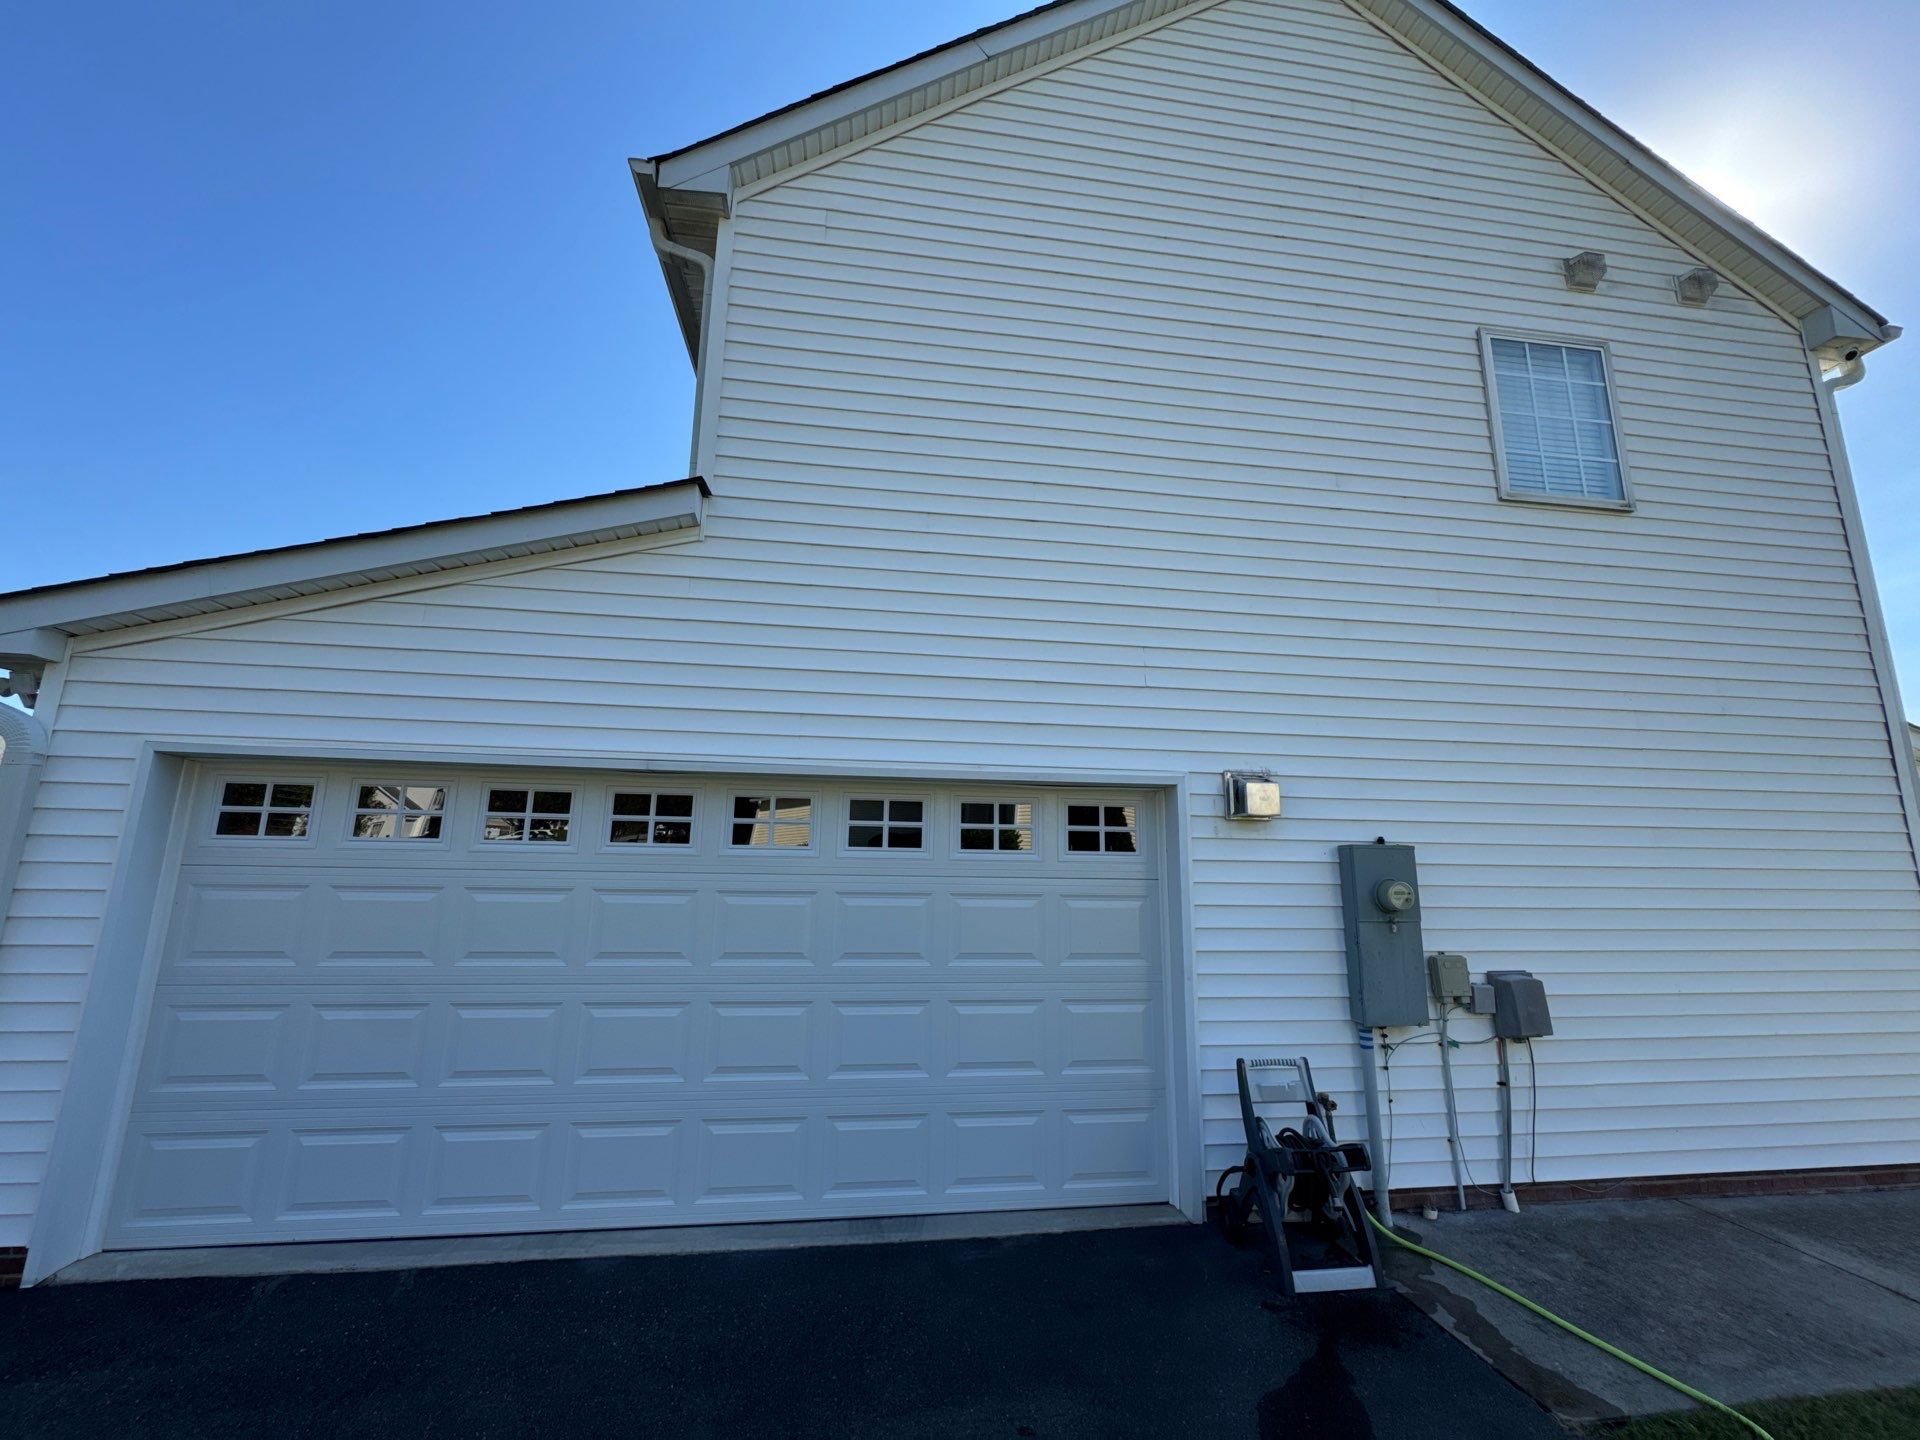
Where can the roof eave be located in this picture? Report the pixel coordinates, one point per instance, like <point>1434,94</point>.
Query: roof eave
<point>1806,292</point>
<point>688,218</point>
<point>1833,319</point>
<point>35,624</point>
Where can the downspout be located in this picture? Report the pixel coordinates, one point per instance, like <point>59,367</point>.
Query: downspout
<point>1906,768</point>
<point>25,739</point>
<point>1851,372</point>
<point>658,228</point>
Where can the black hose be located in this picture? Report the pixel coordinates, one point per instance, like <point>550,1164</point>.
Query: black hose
<point>1221,1183</point>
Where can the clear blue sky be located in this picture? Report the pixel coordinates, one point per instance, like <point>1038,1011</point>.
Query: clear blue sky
<point>282,269</point>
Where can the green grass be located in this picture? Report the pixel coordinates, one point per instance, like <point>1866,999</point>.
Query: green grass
<point>1869,1415</point>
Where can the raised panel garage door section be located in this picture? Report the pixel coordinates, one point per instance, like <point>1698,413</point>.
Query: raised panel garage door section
<point>418,1003</point>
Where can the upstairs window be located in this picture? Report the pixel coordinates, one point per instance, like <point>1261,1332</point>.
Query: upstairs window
<point>1556,432</point>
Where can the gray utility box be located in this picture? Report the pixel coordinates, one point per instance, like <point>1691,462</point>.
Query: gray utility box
<point>1386,963</point>
<point>1519,1005</point>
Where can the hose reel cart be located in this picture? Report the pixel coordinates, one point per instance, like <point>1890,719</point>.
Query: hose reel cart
<point>1301,1171</point>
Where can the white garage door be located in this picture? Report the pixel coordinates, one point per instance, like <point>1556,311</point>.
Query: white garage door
<point>400,1002</point>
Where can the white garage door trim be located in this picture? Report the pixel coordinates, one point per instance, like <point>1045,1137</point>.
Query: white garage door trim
<point>1177,1015</point>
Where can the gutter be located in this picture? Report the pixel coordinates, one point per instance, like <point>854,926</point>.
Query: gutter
<point>646,181</point>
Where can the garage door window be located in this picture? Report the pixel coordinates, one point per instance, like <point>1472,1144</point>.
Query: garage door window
<point>265,809</point>
<point>1004,825</point>
<point>876,824</point>
<point>399,811</point>
<point>1102,829</point>
<point>528,816</point>
<point>651,817</point>
<point>779,822</point>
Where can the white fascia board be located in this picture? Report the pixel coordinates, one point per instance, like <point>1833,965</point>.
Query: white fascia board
<point>116,601</point>
<point>709,166</point>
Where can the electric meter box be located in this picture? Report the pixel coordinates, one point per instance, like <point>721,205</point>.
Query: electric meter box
<point>1386,963</point>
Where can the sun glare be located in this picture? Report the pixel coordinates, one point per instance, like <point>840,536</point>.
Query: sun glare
<point>1764,153</point>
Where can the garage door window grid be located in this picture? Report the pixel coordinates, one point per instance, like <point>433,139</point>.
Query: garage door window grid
<point>1102,829</point>
<point>398,811</point>
<point>516,816</point>
<point>651,817</point>
<point>778,822</point>
<point>265,809</point>
<point>874,823</point>
<point>1004,826</point>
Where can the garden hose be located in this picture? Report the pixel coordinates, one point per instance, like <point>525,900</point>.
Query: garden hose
<point>1573,1329</point>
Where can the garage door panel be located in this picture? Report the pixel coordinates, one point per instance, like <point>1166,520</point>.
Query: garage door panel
<point>879,931</point>
<point>494,1045</point>
<point>501,1039</point>
<point>351,1173</point>
<point>623,1165</point>
<point>651,929</point>
<point>525,1167</point>
<point>646,1043</point>
<point>211,1047</point>
<point>511,926</point>
<point>378,1039</point>
<point>765,928</point>
<point>224,926</point>
<point>366,1046</point>
<point>380,926</point>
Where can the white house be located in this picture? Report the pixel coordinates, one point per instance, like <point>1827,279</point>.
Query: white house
<point>1112,398</point>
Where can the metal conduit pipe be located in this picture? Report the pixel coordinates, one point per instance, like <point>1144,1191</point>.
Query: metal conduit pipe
<point>1453,1113</point>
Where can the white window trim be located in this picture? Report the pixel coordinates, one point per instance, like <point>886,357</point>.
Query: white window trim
<point>354,811</point>
<point>925,825</point>
<point>1064,828</point>
<point>1491,333</point>
<point>574,817</point>
<point>1035,827</point>
<point>816,806</point>
<point>696,822</point>
<point>218,788</point>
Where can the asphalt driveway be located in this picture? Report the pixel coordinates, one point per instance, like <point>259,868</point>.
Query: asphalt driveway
<point>1145,1332</point>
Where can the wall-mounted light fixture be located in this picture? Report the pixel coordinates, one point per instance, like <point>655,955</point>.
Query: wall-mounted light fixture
<point>1696,287</point>
<point>1251,794</point>
<point>1584,271</point>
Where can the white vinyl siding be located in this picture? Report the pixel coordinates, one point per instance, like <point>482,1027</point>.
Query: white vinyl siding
<point>1033,457</point>
<point>1556,436</point>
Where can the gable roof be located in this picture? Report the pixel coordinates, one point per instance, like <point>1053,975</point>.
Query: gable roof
<point>36,623</point>
<point>685,190</point>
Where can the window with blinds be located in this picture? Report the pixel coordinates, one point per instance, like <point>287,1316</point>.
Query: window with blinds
<point>1555,425</point>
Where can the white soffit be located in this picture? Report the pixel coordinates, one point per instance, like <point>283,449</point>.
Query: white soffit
<point>999,60</point>
<point>203,587</point>
<point>904,89</point>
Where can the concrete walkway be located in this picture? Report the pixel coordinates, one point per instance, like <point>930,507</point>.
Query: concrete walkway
<point>1746,1299</point>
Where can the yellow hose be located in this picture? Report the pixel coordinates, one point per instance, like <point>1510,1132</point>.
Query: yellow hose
<point>1572,1329</point>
